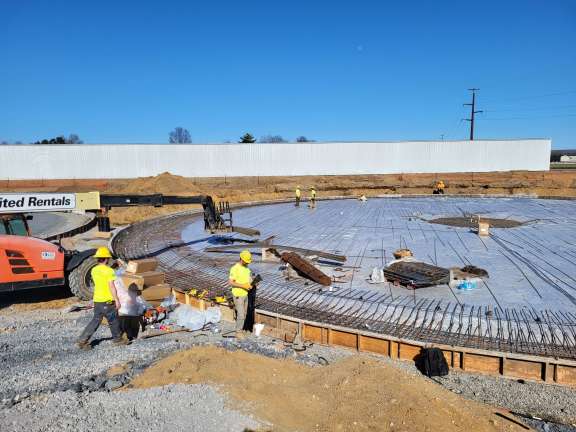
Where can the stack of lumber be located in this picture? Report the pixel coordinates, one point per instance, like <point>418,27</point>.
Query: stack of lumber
<point>147,278</point>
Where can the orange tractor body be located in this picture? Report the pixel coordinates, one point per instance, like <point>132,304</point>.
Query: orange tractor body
<point>27,262</point>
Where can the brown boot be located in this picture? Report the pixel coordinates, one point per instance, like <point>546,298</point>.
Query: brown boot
<point>84,345</point>
<point>120,341</point>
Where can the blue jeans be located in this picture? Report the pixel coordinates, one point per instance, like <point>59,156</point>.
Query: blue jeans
<point>102,310</point>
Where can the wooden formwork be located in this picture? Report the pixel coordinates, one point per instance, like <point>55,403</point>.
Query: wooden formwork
<point>510,365</point>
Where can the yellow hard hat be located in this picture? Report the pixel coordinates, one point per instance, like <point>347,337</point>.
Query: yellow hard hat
<point>246,256</point>
<point>102,252</point>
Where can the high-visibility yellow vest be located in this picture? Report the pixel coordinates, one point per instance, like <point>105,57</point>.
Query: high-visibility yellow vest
<point>240,274</point>
<point>102,275</point>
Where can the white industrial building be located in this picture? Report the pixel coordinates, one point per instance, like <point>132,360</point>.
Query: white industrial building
<point>92,161</point>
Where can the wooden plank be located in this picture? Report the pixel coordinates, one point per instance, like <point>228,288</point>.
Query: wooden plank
<point>374,345</point>
<point>523,369</point>
<point>349,340</point>
<point>196,302</point>
<point>312,333</point>
<point>394,349</point>
<point>325,336</point>
<point>408,352</point>
<point>565,375</point>
<point>267,320</point>
<point>456,360</point>
<point>179,296</point>
<point>482,363</point>
<point>289,326</point>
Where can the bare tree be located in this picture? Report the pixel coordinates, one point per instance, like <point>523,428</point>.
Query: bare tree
<point>272,139</point>
<point>74,139</point>
<point>302,139</point>
<point>180,136</point>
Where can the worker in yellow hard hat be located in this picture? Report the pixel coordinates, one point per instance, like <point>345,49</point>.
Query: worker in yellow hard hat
<point>312,202</point>
<point>106,303</point>
<point>297,194</point>
<point>440,186</point>
<point>241,282</point>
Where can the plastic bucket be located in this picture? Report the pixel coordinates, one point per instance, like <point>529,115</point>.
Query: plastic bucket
<point>258,329</point>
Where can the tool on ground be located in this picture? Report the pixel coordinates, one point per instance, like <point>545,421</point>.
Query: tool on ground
<point>76,308</point>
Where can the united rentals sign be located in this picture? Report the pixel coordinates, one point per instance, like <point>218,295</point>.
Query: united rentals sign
<point>36,202</point>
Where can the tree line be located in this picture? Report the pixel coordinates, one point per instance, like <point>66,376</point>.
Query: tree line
<point>182,136</point>
<point>179,135</point>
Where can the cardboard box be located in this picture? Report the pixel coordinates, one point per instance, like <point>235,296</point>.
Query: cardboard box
<point>142,265</point>
<point>156,293</point>
<point>129,279</point>
<point>152,278</point>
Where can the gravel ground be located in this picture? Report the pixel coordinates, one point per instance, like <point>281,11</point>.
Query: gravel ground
<point>195,407</point>
<point>39,359</point>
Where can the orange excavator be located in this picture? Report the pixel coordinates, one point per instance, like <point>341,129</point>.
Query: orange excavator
<point>27,262</point>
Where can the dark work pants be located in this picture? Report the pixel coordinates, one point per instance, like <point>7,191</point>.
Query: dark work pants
<point>102,310</point>
<point>297,201</point>
<point>131,325</point>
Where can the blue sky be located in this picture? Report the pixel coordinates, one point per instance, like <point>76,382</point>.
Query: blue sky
<point>130,71</point>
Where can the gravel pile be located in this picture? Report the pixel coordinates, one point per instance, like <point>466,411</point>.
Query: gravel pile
<point>174,408</point>
<point>38,352</point>
<point>549,402</point>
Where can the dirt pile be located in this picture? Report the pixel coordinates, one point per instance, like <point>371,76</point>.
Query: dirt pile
<point>164,183</point>
<point>358,393</point>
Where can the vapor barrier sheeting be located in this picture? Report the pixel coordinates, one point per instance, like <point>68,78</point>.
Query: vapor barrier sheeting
<point>92,161</point>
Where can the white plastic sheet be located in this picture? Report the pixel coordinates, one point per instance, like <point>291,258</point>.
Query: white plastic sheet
<point>194,319</point>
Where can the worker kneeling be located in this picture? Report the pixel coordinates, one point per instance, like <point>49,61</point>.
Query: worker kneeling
<point>241,282</point>
<point>106,302</point>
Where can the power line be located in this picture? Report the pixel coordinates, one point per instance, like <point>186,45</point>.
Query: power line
<point>520,109</point>
<point>533,96</point>
<point>530,117</point>
<point>472,112</point>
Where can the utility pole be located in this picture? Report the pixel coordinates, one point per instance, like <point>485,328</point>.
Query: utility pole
<point>472,112</point>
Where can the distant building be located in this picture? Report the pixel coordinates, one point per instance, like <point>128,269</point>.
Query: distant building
<point>568,158</point>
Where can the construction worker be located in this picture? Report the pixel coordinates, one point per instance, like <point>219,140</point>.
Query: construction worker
<point>312,202</point>
<point>241,282</point>
<point>106,303</point>
<point>439,188</point>
<point>297,193</point>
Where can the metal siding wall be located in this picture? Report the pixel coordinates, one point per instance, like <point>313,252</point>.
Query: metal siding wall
<point>90,161</point>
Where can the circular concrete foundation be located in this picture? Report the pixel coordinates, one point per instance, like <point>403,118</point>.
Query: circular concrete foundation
<point>526,305</point>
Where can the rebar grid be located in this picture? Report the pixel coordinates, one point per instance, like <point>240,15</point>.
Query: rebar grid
<point>524,330</point>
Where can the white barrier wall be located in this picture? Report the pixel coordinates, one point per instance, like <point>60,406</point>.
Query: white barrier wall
<point>91,161</point>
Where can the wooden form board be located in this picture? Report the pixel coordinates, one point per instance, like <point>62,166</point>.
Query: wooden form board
<point>510,365</point>
<point>185,298</point>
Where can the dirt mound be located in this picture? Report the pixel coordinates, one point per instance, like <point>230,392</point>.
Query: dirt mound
<point>164,183</point>
<point>358,393</point>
